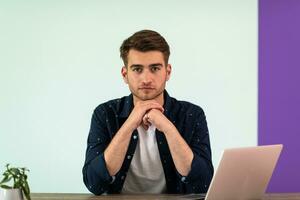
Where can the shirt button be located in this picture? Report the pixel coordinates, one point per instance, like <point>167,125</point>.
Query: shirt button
<point>122,177</point>
<point>129,157</point>
<point>113,178</point>
<point>183,179</point>
<point>135,137</point>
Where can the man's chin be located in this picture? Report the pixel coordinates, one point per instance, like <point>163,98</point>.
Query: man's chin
<point>149,95</point>
<point>145,97</point>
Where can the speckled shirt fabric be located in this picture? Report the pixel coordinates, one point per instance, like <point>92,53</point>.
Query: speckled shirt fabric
<point>189,120</point>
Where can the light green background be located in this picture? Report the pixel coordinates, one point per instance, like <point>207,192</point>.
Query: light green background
<point>60,59</point>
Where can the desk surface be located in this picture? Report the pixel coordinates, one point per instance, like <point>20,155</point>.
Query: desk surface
<point>60,196</point>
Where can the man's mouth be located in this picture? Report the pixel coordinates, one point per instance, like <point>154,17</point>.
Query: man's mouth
<point>146,88</point>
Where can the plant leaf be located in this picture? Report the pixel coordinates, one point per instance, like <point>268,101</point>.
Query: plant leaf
<point>7,165</point>
<point>6,179</point>
<point>6,187</point>
<point>6,173</point>
<point>26,192</point>
<point>28,196</point>
<point>15,171</point>
<point>25,189</point>
<point>17,184</point>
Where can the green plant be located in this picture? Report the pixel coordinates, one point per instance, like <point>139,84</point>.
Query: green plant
<point>19,177</point>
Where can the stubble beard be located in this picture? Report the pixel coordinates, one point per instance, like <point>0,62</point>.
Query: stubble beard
<point>142,97</point>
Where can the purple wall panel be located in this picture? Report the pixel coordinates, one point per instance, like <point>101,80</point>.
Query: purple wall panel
<point>279,88</point>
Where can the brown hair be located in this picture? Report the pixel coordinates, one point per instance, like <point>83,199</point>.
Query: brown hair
<point>145,40</point>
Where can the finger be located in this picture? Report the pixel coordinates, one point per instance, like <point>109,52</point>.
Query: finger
<point>145,126</point>
<point>145,123</point>
<point>153,106</point>
<point>145,119</point>
<point>161,109</point>
<point>148,123</point>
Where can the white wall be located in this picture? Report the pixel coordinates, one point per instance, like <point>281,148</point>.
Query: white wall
<point>60,59</point>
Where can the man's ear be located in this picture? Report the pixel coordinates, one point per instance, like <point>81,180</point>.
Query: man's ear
<point>124,74</point>
<point>169,70</point>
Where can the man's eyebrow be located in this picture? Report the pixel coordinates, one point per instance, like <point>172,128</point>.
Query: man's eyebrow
<point>135,65</point>
<point>156,65</point>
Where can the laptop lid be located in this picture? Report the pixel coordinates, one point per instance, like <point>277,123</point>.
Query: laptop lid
<point>244,173</point>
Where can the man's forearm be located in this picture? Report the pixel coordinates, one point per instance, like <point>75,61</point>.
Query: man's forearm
<point>181,153</point>
<point>115,152</point>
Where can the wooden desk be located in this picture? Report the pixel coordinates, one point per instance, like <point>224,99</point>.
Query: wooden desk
<point>61,196</point>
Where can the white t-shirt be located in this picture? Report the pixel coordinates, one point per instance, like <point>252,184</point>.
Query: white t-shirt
<point>145,174</point>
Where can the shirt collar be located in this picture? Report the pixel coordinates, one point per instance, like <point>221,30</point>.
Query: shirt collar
<point>128,105</point>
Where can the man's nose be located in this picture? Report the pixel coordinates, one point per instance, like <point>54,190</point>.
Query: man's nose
<point>147,77</point>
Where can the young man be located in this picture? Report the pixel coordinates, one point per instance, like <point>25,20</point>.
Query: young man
<point>147,142</point>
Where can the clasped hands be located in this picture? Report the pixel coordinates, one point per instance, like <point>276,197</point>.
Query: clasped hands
<point>149,112</point>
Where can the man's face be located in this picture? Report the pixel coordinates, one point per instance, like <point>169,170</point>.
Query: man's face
<point>146,74</point>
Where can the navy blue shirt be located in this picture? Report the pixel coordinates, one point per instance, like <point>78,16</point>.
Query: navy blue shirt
<point>189,120</point>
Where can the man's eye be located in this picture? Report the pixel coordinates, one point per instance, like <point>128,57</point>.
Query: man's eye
<point>154,69</point>
<point>137,70</point>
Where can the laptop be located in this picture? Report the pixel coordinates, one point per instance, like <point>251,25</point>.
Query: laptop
<point>243,173</point>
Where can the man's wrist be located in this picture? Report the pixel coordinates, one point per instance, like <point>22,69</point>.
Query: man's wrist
<point>128,127</point>
<point>169,129</point>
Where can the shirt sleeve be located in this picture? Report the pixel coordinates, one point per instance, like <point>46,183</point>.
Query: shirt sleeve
<point>95,174</point>
<point>200,175</point>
